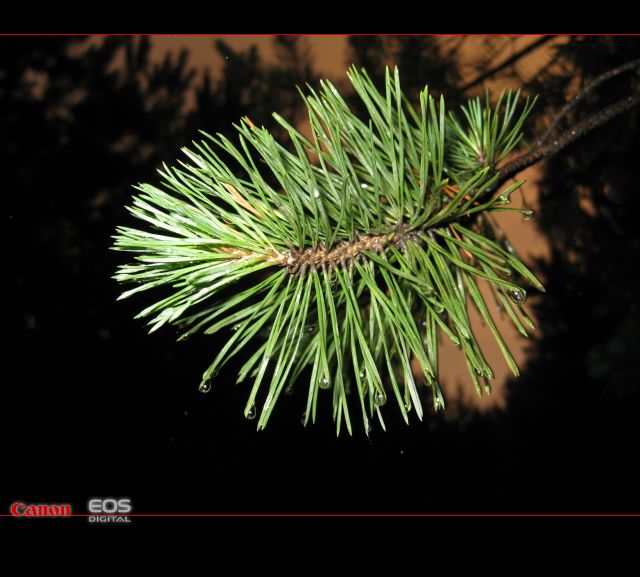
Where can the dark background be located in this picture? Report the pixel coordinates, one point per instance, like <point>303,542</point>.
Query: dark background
<point>93,406</point>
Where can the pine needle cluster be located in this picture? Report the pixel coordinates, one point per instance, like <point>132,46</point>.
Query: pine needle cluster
<point>337,263</point>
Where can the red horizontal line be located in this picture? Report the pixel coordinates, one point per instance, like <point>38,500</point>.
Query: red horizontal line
<point>333,515</point>
<point>309,34</point>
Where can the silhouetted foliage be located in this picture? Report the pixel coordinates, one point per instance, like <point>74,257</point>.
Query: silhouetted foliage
<point>420,59</point>
<point>587,211</point>
<point>577,407</point>
<point>249,87</point>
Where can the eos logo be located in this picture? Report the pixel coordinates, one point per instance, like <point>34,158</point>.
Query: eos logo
<point>109,510</point>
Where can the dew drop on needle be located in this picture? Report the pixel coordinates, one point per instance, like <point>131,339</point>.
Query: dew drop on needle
<point>517,296</point>
<point>251,412</point>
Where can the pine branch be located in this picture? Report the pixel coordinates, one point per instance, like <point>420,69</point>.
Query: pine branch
<point>570,135</point>
<point>542,149</point>
<point>584,92</point>
<point>356,248</point>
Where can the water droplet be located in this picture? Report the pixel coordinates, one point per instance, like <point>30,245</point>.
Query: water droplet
<point>505,198</point>
<point>205,386</point>
<point>527,215</point>
<point>311,329</point>
<point>438,307</point>
<point>518,296</point>
<point>289,390</point>
<point>478,371</point>
<point>303,420</point>
<point>509,247</point>
<point>379,398</point>
<point>364,185</point>
<point>324,383</point>
<point>363,374</point>
<point>235,328</point>
<point>368,427</point>
<point>487,388</point>
<point>251,412</point>
<point>316,193</point>
<point>407,406</point>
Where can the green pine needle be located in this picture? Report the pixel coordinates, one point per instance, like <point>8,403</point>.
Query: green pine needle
<point>335,263</point>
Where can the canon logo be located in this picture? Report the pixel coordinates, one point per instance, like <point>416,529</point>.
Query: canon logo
<point>40,510</point>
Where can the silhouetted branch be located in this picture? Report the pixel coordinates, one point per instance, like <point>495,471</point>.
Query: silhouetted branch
<point>581,95</point>
<point>508,62</point>
<point>567,137</point>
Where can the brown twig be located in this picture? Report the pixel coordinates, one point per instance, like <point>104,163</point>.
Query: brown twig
<point>559,143</point>
<point>586,90</point>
